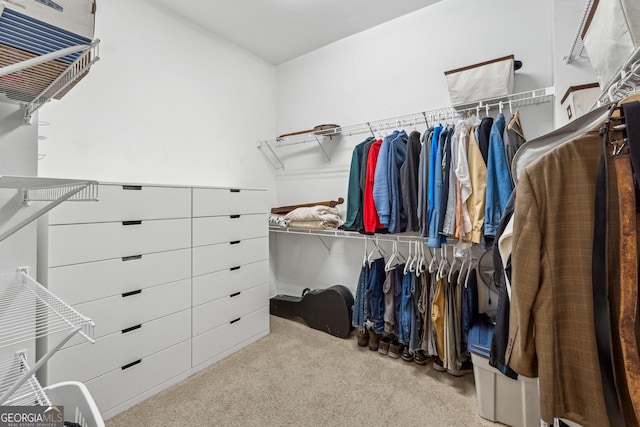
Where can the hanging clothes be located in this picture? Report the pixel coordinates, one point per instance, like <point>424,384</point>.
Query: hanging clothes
<point>463,174</point>
<point>476,200</point>
<point>423,184</point>
<point>498,179</point>
<point>355,190</point>
<point>483,132</point>
<point>381,190</point>
<point>446,167</point>
<point>406,310</point>
<point>389,302</point>
<point>397,157</point>
<point>555,301</point>
<point>450,212</point>
<point>370,213</point>
<point>435,186</point>
<point>409,181</point>
<point>416,319</point>
<point>360,305</point>
<point>513,139</point>
<point>375,295</point>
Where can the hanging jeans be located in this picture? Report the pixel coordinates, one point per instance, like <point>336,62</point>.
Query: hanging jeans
<point>389,303</point>
<point>360,306</point>
<point>397,293</point>
<point>425,310</point>
<point>438,316</point>
<point>375,295</point>
<point>416,318</point>
<point>432,348</point>
<point>406,309</point>
<point>469,309</point>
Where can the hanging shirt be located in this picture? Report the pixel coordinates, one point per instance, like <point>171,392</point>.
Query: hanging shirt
<point>463,174</point>
<point>363,179</point>
<point>483,131</point>
<point>449,226</point>
<point>370,214</point>
<point>513,138</point>
<point>476,201</point>
<point>498,179</point>
<point>446,166</point>
<point>409,181</point>
<point>354,192</point>
<point>381,180</point>
<point>435,186</point>
<point>423,184</point>
<point>397,156</point>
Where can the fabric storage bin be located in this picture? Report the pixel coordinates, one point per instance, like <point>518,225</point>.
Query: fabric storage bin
<point>611,36</point>
<point>486,80</point>
<point>578,100</point>
<point>500,398</point>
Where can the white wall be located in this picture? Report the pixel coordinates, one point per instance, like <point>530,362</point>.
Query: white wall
<point>167,103</point>
<point>393,69</point>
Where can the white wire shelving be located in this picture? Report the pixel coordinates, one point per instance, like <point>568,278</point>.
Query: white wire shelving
<point>626,83</point>
<point>29,311</point>
<point>52,190</point>
<point>521,99</point>
<point>577,48</point>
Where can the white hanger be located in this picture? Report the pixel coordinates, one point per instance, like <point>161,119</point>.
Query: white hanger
<point>471,262</point>
<point>444,263</point>
<point>377,248</point>
<point>409,260</point>
<point>433,265</point>
<point>395,255</point>
<point>451,269</point>
<point>421,267</point>
<point>364,261</point>
<point>414,261</point>
<point>500,106</point>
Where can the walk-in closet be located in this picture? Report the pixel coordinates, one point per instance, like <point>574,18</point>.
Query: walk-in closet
<point>273,213</point>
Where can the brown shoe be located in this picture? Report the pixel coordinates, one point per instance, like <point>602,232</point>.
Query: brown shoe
<point>395,349</point>
<point>383,346</point>
<point>363,338</point>
<point>374,340</point>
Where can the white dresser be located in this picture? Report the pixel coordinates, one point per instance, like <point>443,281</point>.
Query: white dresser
<point>175,279</point>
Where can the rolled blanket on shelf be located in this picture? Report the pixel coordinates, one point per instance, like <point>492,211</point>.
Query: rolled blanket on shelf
<point>279,220</point>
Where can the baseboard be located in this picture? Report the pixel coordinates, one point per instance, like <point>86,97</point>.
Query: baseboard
<point>228,352</point>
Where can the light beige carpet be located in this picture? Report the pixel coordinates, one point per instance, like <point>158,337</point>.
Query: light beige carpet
<point>298,376</point>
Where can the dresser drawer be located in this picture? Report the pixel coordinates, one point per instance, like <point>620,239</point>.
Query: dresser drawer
<point>222,256</point>
<point>71,244</point>
<point>218,229</point>
<point>132,379</point>
<point>119,312</point>
<point>226,309</point>
<point>126,202</point>
<point>79,283</point>
<point>225,201</point>
<point>87,361</point>
<point>225,282</point>
<point>229,335</point>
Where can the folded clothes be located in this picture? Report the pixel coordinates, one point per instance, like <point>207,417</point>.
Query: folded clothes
<point>279,220</point>
<point>328,215</point>
<point>313,225</point>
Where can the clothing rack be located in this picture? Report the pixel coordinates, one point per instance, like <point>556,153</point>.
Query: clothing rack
<point>532,97</point>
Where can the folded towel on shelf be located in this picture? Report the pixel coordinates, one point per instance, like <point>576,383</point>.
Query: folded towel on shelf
<point>329,216</point>
<point>279,220</point>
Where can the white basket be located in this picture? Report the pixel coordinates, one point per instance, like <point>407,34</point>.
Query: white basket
<point>611,36</point>
<point>79,406</point>
<point>486,80</point>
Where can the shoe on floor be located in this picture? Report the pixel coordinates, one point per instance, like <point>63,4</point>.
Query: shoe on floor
<point>407,356</point>
<point>395,349</point>
<point>420,357</point>
<point>466,368</point>
<point>374,340</point>
<point>438,365</point>
<point>363,338</point>
<point>383,346</point>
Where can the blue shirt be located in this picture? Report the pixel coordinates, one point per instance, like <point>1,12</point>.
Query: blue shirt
<point>498,178</point>
<point>435,188</point>
<point>397,156</point>
<point>381,181</point>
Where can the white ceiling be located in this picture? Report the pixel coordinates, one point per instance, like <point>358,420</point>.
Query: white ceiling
<point>279,30</point>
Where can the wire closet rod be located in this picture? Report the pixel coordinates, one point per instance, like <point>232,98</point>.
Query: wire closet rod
<point>427,118</point>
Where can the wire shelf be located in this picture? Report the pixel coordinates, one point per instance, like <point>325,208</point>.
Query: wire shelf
<point>30,393</point>
<point>51,189</point>
<point>625,84</point>
<point>521,99</point>
<point>22,299</point>
<point>577,48</point>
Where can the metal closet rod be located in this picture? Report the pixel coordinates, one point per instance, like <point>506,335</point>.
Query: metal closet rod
<point>400,238</point>
<point>516,100</point>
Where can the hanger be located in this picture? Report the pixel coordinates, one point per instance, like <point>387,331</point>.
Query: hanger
<point>395,256</point>
<point>409,259</point>
<point>364,261</point>
<point>433,265</point>
<point>416,257</point>
<point>516,125</point>
<point>452,269</point>
<point>422,261</point>
<point>500,107</point>
<point>471,264</point>
<point>444,263</point>
<point>377,248</point>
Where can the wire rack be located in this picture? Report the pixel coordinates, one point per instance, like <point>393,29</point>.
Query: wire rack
<point>29,311</point>
<point>577,48</point>
<point>30,392</point>
<point>625,84</point>
<point>521,99</point>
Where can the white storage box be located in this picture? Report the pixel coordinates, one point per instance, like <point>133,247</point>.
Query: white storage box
<point>611,36</point>
<point>578,100</point>
<point>500,398</point>
<point>486,80</point>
